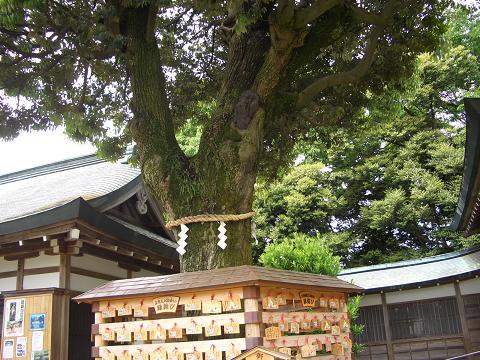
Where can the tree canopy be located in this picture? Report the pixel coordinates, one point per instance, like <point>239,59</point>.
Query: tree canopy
<point>256,75</point>
<point>386,189</point>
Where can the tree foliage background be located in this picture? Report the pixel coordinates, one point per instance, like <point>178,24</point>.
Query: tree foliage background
<point>386,188</point>
<point>254,83</point>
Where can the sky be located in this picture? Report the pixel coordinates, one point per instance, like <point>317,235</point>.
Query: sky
<point>38,148</point>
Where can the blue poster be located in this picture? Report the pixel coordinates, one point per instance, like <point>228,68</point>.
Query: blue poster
<point>37,322</point>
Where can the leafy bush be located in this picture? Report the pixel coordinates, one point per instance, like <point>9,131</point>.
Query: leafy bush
<point>353,310</point>
<point>302,253</point>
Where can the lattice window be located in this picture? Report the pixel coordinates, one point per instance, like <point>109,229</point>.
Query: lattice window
<point>372,318</point>
<point>424,318</point>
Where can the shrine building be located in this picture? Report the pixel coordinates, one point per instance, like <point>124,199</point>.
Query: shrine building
<point>66,228</point>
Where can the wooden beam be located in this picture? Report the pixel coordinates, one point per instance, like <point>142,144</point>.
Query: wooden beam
<point>388,330</point>
<point>467,341</point>
<point>37,233</point>
<point>26,272</point>
<point>126,251</point>
<point>42,270</point>
<point>23,250</point>
<point>20,273</point>
<point>16,257</point>
<point>96,251</point>
<point>93,236</point>
<point>93,274</point>
<point>129,267</point>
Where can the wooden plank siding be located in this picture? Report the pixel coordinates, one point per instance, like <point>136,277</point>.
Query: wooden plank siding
<point>472,315</point>
<point>420,330</point>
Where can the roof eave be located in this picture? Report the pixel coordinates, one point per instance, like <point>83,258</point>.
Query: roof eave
<point>471,175</point>
<point>79,209</point>
<point>423,284</point>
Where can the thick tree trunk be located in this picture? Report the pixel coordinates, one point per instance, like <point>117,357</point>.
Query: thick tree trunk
<point>221,178</point>
<point>203,252</point>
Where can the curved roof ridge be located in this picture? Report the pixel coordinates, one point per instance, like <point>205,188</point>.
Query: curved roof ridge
<point>50,168</point>
<point>413,262</point>
<point>57,166</point>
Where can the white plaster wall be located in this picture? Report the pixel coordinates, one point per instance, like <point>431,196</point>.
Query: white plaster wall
<point>8,284</point>
<point>420,294</point>
<point>42,261</point>
<point>471,286</point>
<point>372,299</point>
<point>144,273</point>
<point>41,281</point>
<point>93,263</point>
<point>8,265</point>
<point>84,283</point>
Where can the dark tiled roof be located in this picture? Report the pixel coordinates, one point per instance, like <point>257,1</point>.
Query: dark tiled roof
<point>42,188</point>
<point>413,273</point>
<point>218,278</point>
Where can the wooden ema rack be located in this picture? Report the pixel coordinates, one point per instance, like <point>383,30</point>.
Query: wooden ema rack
<point>220,323</point>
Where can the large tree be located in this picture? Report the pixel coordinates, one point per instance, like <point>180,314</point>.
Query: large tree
<point>116,71</point>
<point>387,188</point>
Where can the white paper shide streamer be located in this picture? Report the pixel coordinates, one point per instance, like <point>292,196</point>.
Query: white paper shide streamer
<point>221,235</point>
<point>182,236</point>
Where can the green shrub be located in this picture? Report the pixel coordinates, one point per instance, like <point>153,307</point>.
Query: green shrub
<point>302,253</point>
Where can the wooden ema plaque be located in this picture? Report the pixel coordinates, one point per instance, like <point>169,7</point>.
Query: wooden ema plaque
<point>223,323</point>
<point>124,310</point>
<point>166,304</point>
<point>308,299</point>
<point>158,353</point>
<point>272,333</point>
<point>140,310</point>
<point>140,354</point>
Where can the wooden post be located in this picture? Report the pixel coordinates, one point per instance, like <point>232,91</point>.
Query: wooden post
<point>253,317</point>
<point>98,338</point>
<point>20,273</point>
<point>64,281</point>
<point>467,341</point>
<point>63,303</point>
<point>388,331</point>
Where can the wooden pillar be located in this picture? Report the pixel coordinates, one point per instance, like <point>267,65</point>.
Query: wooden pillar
<point>467,341</point>
<point>388,330</point>
<point>98,338</point>
<point>63,304</point>
<point>60,331</point>
<point>64,281</point>
<point>20,273</point>
<point>253,317</point>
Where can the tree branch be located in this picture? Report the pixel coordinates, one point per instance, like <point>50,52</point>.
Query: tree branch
<point>306,15</point>
<point>368,17</point>
<point>354,74</point>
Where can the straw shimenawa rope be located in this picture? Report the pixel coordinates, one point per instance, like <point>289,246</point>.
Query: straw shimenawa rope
<point>208,218</point>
